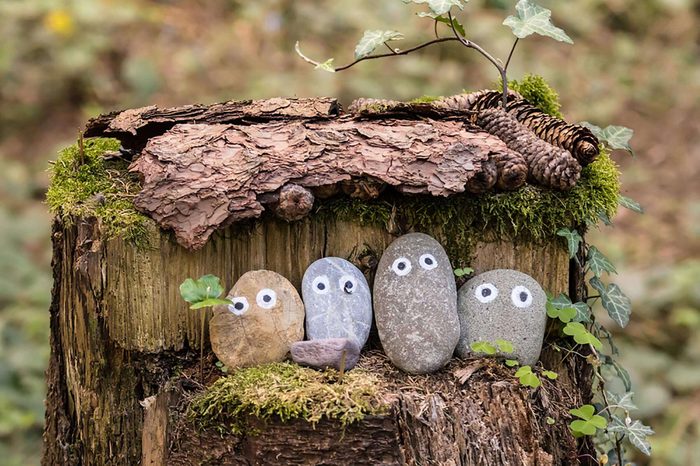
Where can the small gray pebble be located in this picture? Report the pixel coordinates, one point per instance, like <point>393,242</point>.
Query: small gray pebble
<point>322,354</point>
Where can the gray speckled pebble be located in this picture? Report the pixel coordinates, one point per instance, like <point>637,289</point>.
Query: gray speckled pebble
<point>415,304</point>
<point>507,305</point>
<point>337,300</point>
<point>322,354</point>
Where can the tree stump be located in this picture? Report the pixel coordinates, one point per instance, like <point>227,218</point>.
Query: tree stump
<point>124,345</point>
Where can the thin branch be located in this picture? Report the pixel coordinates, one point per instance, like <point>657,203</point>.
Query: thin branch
<point>393,54</point>
<point>435,26</point>
<point>510,55</point>
<point>488,56</point>
<point>389,47</point>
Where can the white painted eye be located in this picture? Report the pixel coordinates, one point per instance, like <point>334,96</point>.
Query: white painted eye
<point>427,261</point>
<point>521,296</point>
<point>401,266</point>
<point>266,298</point>
<point>348,284</point>
<point>486,292</point>
<point>240,305</point>
<point>321,285</point>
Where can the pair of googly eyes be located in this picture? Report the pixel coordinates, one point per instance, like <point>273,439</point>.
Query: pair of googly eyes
<point>322,285</point>
<point>487,292</point>
<point>402,266</point>
<point>266,299</point>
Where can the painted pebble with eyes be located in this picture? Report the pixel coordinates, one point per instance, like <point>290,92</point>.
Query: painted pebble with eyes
<point>337,300</point>
<point>415,304</point>
<point>503,305</point>
<point>266,317</point>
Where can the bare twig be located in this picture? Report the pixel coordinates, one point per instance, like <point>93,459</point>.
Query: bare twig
<point>510,55</point>
<point>473,45</point>
<point>435,26</point>
<point>394,53</point>
<point>389,47</point>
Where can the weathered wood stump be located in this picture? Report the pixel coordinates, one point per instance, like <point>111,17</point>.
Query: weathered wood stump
<point>124,344</point>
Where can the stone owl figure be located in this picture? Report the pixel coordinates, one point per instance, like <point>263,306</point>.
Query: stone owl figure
<point>266,317</point>
<point>415,304</point>
<point>503,305</point>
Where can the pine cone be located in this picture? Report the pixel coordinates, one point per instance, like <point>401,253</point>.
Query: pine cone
<point>512,169</point>
<point>576,139</point>
<point>548,165</point>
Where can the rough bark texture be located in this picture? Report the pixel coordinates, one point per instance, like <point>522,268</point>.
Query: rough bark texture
<point>197,178</point>
<point>120,332</point>
<point>134,127</point>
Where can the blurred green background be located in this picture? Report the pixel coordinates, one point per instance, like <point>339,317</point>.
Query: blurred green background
<point>634,63</point>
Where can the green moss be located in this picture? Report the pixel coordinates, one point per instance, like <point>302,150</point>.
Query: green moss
<point>84,184</point>
<point>536,91</point>
<point>287,391</point>
<point>530,214</point>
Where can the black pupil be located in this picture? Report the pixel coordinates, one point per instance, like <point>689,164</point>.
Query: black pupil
<point>321,286</point>
<point>238,306</point>
<point>401,266</point>
<point>523,296</point>
<point>348,285</point>
<point>428,261</point>
<point>485,292</point>
<point>267,298</point>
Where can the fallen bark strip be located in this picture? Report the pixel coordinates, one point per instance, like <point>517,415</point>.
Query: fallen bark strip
<point>134,127</point>
<point>197,178</point>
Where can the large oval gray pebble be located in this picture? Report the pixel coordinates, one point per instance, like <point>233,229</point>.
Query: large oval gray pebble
<point>503,305</point>
<point>337,300</point>
<point>415,304</point>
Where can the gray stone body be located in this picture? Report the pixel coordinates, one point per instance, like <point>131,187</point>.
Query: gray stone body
<point>338,301</point>
<point>322,354</point>
<point>415,304</point>
<point>507,305</point>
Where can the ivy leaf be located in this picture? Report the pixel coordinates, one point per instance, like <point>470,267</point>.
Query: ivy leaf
<point>622,374</point>
<point>598,263</point>
<point>583,312</point>
<point>615,137</point>
<point>581,335</point>
<point>617,304</point>
<point>326,66</point>
<point>603,217</point>
<point>561,301</point>
<point>531,18</point>
<point>636,432</point>
<point>505,346</point>
<point>573,240</point>
<point>630,204</point>
<point>459,27</point>
<point>199,291</point>
<point>597,285</point>
<point>440,7</point>
<point>483,347</point>
<point>623,401</point>
<point>373,39</point>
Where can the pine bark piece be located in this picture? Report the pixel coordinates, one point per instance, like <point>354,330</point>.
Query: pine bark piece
<point>576,139</point>
<point>133,127</point>
<point>197,178</point>
<point>548,165</point>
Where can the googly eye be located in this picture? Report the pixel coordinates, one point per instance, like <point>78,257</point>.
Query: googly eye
<point>521,296</point>
<point>401,266</point>
<point>427,261</point>
<point>348,284</point>
<point>486,292</point>
<point>240,305</point>
<point>321,285</point>
<point>266,298</point>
